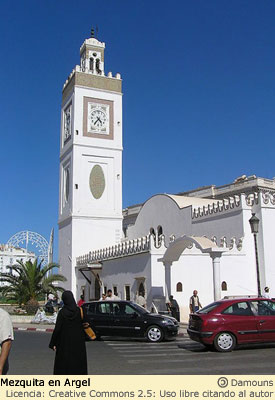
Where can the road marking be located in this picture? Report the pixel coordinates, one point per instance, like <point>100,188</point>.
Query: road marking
<point>146,350</point>
<point>147,344</point>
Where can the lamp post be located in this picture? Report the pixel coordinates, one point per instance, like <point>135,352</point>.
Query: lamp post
<point>254,225</point>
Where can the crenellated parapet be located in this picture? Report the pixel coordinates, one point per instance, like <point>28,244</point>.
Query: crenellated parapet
<point>78,69</point>
<point>144,245</point>
<point>268,197</point>
<point>123,249</point>
<point>217,206</point>
<point>230,243</point>
<point>252,198</point>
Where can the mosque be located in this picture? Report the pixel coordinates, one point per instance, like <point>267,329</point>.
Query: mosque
<point>171,244</point>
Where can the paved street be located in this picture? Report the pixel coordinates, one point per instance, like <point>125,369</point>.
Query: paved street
<point>31,355</point>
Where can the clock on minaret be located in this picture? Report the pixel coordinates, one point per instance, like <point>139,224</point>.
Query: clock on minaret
<point>90,195</point>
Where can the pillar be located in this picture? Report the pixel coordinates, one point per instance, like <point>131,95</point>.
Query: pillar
<point>216,256</point>
<point>167,267</point>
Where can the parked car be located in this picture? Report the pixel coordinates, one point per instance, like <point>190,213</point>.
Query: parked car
<point>124,318</point>
<point>226,323</point>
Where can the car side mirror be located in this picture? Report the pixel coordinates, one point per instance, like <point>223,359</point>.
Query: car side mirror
<point>135,315</point>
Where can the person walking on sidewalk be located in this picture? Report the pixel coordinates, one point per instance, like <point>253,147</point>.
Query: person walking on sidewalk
<point>194,303</point>
<point>6,337</point>
<point>68,339</point>
<point>174,308</point>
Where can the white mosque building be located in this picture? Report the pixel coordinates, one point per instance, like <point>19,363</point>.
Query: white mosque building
<point>171,244</point>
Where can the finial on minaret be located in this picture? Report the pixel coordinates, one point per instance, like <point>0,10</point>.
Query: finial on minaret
<point>93,32</point>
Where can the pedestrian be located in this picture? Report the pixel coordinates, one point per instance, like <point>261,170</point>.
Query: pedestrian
<point>103,297</point>
<point>194,303</point>
<point>49,306</point>
<point>6,337</point>
<point>174,308</point>
<point>81,301</point>
<point>110,296</point>
<point>266,292</point>
<point>68,339</point>
<point>140,299</point>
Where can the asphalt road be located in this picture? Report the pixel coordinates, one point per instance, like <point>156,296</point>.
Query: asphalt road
<point>31,355</point>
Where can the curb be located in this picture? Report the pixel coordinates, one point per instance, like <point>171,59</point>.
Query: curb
<point>16,328</point>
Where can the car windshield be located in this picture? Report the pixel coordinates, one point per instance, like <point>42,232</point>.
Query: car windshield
<point>140,309</point>
<point>210,307</point>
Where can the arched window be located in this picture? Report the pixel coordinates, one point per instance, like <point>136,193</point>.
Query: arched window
<point>179,287</point>
<point>97,66</point>
<point>152,231</point>
<point>224,285</point>
<point>141,289</point>
<point>159,230</point>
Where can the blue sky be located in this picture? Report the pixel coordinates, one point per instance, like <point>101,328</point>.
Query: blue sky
<point>199,98</point>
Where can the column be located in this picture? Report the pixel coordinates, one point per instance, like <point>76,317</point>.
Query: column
<point>167,267</point>
<point>216,256</point>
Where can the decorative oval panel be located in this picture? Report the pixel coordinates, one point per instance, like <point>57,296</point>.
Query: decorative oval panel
<point>97,181</point>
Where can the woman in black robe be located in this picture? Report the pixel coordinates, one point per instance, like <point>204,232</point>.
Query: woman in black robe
<point>68,339</point>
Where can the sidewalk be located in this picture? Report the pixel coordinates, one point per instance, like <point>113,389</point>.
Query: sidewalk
<point>50,328</point>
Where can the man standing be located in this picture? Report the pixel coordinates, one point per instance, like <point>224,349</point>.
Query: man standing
<point>194,304</point>
<point>110,296</point>
<point>6,337</point>
<point>140,300</point>
<point>174,308</point>
<point>266,292</point>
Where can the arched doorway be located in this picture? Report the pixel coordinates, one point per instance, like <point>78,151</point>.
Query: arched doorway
<point>177,247</point>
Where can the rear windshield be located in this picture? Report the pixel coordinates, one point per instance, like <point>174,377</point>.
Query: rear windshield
<point>210,307</point>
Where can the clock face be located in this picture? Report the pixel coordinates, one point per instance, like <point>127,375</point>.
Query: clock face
<point>98,118</point>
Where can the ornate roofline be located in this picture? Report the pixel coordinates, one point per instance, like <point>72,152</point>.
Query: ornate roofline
<point>124,249</point>
<point>217,206</point>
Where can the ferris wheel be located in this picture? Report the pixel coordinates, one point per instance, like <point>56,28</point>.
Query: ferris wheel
<point>27,239</point>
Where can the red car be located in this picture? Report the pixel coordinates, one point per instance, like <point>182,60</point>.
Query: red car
<point>226,323</point>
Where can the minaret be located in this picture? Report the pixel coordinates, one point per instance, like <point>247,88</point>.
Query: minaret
<point>90,195</point>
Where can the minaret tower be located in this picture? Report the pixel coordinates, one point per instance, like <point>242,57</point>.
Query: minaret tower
<point>90,194</point>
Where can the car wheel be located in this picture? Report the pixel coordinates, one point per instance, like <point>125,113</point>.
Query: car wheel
<point>154,334</point>
<point>225,341</point>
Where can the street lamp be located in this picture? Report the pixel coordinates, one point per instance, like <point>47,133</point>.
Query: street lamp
<point>254,225</point>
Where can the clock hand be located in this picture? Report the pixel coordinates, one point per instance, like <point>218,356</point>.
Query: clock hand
<point>98,119</point>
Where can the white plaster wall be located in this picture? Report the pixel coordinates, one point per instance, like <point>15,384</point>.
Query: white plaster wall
<point>110,204</point>
<point>157,290</point>
<point>194,271</point>
<point>229,224</point>
<point>65,254</point>
<point>124,271</point>
<point>164,211</point>
<point>266,245</point>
